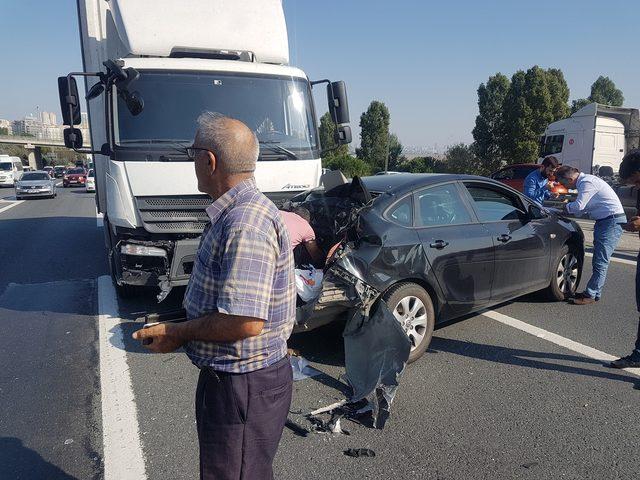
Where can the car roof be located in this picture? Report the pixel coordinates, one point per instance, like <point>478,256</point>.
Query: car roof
<point>404,182</point>
<point>37,171</point>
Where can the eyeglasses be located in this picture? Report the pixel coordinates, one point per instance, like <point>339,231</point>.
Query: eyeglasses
<point>193,151</point>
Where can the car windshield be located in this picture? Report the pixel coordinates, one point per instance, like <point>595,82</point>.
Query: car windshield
<point>58,169</point>
<point>277,109</point>
<point>34,176</point>
<point>5,167</point>
<point>91,173</point>
<point>75,171</point>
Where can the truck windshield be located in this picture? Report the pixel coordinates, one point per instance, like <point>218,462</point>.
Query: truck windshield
<point>278,109</point>
<point>5,166</point>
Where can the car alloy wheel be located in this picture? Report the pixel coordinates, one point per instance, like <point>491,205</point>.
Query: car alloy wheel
<point>567,273</point>
<point>412,315</point>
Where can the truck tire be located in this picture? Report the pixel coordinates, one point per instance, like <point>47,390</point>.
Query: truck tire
<point>565,275</point>
<point>411,305</point>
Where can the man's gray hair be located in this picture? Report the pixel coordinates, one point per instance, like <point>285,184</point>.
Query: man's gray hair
<point>235,146</point>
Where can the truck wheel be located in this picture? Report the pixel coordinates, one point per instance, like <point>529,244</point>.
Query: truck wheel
<point>411,305</point>
<point>565,275</point>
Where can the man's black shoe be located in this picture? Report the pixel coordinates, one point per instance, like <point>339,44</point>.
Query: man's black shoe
<point>630,361</point>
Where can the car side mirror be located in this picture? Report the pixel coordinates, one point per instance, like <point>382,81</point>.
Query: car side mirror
<point>72,138</point>
<point>536,213</point>
<point>69,100</point>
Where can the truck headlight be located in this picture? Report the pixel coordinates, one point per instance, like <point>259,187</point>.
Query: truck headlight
<point>142,250</point>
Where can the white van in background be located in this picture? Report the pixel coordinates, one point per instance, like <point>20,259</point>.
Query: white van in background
<point>595,136</point>
<point>10,170</point>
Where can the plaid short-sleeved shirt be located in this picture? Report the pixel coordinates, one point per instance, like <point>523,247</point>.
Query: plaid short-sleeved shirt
<point>244,266</point>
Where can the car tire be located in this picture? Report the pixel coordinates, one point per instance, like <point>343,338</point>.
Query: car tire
<point>565,275</point>
<point>411,305</point>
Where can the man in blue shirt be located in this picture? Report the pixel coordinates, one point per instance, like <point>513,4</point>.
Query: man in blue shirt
<point>597,200</point>
<point>536,185</point>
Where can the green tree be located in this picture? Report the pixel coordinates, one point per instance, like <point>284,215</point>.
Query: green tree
<point>536,98</point>
<point>395,152</point>
<point>422,165</point>
<point>4,131</point>
<point>374,135</point>
<point>14,151</point>
<point>604,91</point>
<point>327,138</point>
<point>461,158</point>
<point>579,103</point>
<point>489,128</point>
<point>349,165</point>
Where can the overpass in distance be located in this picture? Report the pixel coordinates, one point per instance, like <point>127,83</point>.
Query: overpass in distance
<point>34,146</point>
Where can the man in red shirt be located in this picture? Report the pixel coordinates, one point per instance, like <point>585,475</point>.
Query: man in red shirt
<point>303,238</point>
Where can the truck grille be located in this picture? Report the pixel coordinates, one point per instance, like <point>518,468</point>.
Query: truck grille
<point>174,214</point>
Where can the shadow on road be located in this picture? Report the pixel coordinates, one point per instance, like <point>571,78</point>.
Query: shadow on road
<point>526,358</point>
<point>18,461</point>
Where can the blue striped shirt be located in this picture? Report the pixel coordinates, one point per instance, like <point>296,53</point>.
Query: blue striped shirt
<point>244,266</point>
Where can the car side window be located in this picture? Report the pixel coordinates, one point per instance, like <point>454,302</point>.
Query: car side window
<point>402,212</point>
<point>494,205</point>
<point>441,205</point>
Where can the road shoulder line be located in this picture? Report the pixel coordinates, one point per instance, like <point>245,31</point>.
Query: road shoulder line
<point>123,458</point>
<point>555,339</point>
<point>615,259</point>
<point>14,204</point>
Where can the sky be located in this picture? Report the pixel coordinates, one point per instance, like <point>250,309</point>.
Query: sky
<point>423,58</point>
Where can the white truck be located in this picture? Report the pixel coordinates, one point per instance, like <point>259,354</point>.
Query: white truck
<point>151,67</point>
<point>594,139</point>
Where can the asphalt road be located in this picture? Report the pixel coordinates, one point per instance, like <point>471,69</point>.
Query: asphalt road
<point>487,400</point>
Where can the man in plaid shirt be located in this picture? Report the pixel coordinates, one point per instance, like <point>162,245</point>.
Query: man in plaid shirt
<point>240,305</point>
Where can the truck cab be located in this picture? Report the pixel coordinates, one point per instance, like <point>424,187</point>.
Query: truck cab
<point>145,92</point>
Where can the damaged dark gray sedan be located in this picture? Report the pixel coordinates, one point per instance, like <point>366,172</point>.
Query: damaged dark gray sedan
<point>434,248</point>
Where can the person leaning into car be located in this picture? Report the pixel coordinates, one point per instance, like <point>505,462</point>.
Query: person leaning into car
<point>630,174</point>
<point>536,185</point>
<point>598,201</point>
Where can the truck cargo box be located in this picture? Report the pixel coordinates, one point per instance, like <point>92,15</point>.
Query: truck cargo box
<point>165,27</point>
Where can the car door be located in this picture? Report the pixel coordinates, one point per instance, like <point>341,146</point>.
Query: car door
<point>458,247</point>
<point>521,242</point>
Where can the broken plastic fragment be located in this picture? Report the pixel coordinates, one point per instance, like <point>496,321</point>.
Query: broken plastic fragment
<point>359,452</point>
<point>302,369</point>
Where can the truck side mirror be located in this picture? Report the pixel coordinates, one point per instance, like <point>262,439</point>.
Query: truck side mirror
<point>72,138</point>
<point>69,100</point>
<point>343,135</point>
<point>338,105</point>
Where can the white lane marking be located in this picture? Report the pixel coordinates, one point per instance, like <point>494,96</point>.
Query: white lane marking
<point>615,259</point>
<point>14,204</point>
<point>58,184</point>
<point>123,458</point>
<point>556,339</point>
<point>99,220</point>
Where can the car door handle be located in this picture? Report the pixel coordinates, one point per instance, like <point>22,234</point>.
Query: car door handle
<point>439,244</point>
<point>504,238</point>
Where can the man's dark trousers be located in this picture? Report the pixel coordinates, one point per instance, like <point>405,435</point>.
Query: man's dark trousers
<point>240,418</point>
<point>637,346</point>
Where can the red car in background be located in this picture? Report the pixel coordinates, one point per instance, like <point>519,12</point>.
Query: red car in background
<point>74,176</point>
<point>514,175</point>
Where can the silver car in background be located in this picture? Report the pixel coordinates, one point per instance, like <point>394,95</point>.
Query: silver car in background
<point>35,184</point>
